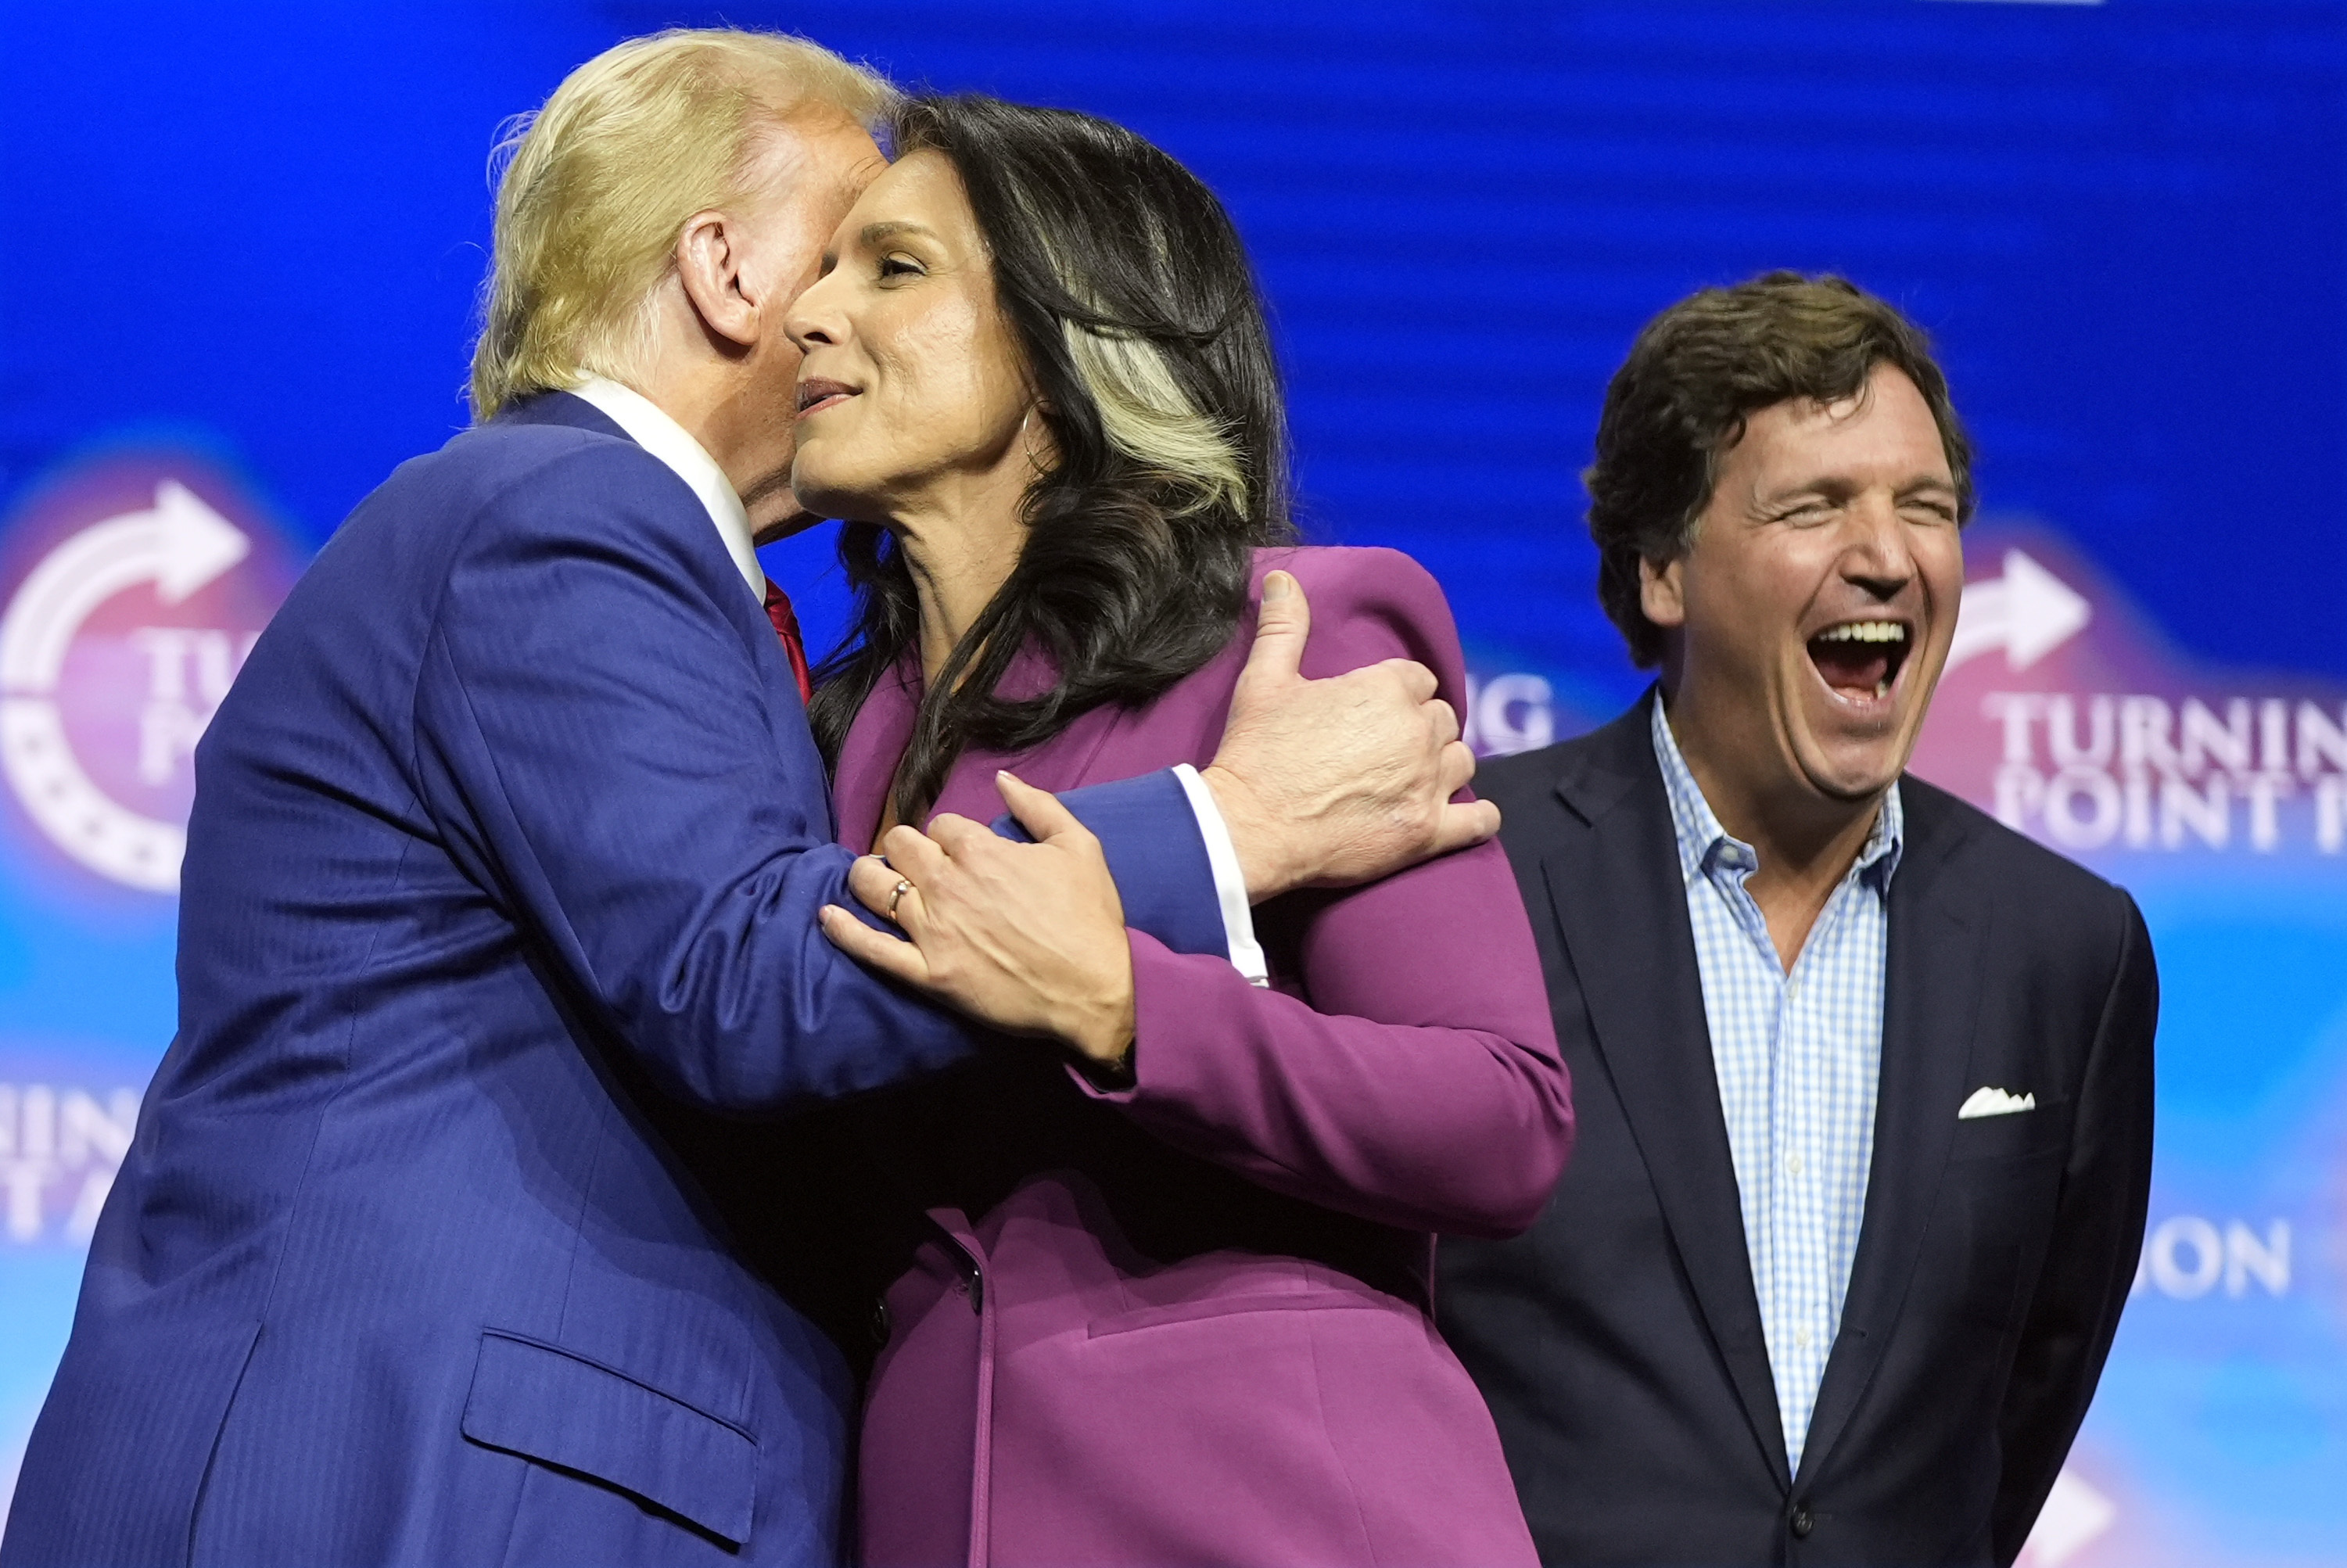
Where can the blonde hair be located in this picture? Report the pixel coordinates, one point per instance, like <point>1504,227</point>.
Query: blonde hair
<point>597,185</point>
<point>1146,415</point>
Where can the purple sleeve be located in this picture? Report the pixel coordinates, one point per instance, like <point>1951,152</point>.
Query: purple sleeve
<point>1412,1077</point>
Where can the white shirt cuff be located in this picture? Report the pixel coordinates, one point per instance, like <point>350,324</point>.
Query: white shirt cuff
<point>1230,887</point>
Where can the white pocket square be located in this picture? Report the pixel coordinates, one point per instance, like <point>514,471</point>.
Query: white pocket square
<point>1995,1103</point>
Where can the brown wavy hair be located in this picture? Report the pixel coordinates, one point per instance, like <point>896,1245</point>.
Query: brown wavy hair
<point>1696,375</point>
<point>1129,293</point>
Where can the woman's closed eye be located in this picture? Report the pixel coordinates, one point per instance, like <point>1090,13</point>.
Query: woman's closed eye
<point>900,266</point>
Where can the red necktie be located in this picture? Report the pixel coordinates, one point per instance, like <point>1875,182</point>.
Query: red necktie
<point>786,627</point>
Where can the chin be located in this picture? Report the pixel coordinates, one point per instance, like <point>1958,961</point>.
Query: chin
<point>822,494</point>
<point>1858,773</point>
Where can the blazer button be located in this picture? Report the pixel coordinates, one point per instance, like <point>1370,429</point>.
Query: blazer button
<point>881,1327</point>
<point>1802,1523</point>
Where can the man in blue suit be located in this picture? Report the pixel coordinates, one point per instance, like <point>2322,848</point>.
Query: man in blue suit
<point>508,844</point>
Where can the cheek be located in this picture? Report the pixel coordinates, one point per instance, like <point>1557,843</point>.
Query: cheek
<point>1940,558</point>
<point>934,375</point>
<point>1749,598</point>
<point>989,380</point>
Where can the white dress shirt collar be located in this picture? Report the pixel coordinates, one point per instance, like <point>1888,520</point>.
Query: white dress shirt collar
<point>1702,840</point>
<point>665,439</point>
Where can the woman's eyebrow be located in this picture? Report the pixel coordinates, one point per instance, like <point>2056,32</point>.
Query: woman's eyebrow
<point>889,229</point>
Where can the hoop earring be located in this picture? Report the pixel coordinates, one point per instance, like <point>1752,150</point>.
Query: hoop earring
<point>1026,446</point>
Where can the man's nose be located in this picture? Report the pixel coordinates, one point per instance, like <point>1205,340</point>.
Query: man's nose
<point>1880,558</point>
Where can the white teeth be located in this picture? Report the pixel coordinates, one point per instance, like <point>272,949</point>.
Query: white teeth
<point>1863,631</point>
<point>1882,687</point>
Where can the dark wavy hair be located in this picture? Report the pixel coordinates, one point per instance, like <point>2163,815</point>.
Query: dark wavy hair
<point>1132,303</point>
<point>1697,375</point>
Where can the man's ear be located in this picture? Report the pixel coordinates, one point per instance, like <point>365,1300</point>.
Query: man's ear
<point>1662,591</point>
<point>710,262</point>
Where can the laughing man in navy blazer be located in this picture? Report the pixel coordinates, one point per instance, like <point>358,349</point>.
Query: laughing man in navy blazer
<point>508,844</point>
<point>1863,1078</point>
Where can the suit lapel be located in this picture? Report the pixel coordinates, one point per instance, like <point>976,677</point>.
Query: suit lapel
<point>1621,903</point>
<point>1938,938</point>
<point>1062,763</point>
<point>883,727</point>
<point>868,756</point>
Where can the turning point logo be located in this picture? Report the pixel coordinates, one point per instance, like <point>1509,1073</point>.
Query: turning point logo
<point>140,584</point>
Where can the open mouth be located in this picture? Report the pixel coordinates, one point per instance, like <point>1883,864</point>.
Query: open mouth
<point>1860,660</point>
<point>817,394</point>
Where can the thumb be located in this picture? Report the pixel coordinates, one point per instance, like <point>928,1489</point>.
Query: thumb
<point>1465,824</point>
<point>1285,622</point>
<point>1039,811</point>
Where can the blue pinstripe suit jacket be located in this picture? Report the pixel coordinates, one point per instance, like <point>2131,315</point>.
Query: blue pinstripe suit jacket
<point>506,843</point>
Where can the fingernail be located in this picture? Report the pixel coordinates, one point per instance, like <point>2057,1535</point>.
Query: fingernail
<point>1275,586</point>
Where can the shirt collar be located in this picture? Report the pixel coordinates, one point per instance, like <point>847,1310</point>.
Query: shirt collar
<point>650,428</point>
<point>1703,841</point>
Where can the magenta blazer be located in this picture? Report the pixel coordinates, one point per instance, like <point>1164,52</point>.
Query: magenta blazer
<point>1186,1322</point>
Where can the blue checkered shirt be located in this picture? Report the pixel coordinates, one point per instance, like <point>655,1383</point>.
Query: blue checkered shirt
<point>1798,1056</point>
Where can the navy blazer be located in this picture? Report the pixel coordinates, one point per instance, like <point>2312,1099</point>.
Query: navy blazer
<point>1619,1341</point>
<point>507,841</point>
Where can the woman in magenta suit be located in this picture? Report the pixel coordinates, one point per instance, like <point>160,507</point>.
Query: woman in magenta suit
<point>1170,1307</point>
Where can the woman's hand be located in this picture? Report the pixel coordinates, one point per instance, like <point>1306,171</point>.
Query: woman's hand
<point>1028,938</point>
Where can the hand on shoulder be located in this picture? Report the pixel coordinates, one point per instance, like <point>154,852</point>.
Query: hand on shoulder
<point>1344,780</point>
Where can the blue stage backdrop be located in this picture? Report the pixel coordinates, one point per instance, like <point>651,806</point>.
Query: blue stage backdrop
<point>238,252</point>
